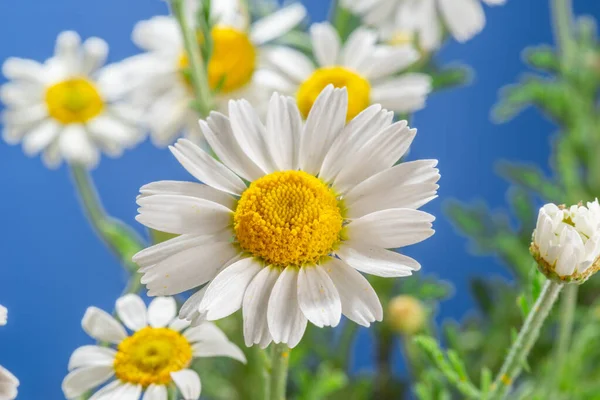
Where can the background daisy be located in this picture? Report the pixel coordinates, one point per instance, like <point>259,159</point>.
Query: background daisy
<point>157,80</point>
<point>8,382</point>
<point>62,109</point>
<point>319,208</point>
<point>157,353</point>
<point>369,72</point>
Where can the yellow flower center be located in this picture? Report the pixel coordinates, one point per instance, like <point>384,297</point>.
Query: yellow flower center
<point>359,89</point>
<point>150,355</point>
<point>74,100</point>
<point>232,62</point>
<point>288,218</point>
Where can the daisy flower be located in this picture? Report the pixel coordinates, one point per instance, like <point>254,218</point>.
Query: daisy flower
<point>59,108</point>
<point>157,353</point>
<point>157,78</point>
<point>566,241</point>
<point>368,71</point>
<point>407,18</point>
<point>8,382</point>
<point>287,218</point>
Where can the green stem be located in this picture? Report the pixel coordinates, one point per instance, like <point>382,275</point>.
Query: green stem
<point>344,348</point>
<point>517,356</point>
<point>341,19</point>
<point>279,370</point>
<point>120,238</point>
<point>198,71</point>
<point>562,17</point>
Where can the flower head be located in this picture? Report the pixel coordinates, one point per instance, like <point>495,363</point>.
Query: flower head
<point>287,218</point>
<point>156,354</point>
<point>157,78</point>
<point>420,19</point>
<point>62,109</point>
<point>368,71</point>
<point>566,241</point>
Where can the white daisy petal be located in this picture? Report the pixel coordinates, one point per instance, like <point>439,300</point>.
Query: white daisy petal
<point>188,383</point>
<point>156,392</point>
<point>406,93</point>
<point>158,33</point>
<point>161,311</point>
<point>131,310</point>
<point>218,348</point>
<point>87,356</point>
<point>359,300</point>
<point>286,321</point>
<point>102,326</point>
<point>205,332</point>
<point>254,307</point>
<point>22,69</point>
<point>40,137</point>
<point>391,228</point>
<point>76,146</point>
<point>389,60</point>
<point>291,62</point>
<point>179,324</point>
<point>108,391</point>
<point>192,189</point>
<point>274,81</point>
<point>357,50</point>
<point>326,43</point>
<point>225,293</point>
<point>205,168</point>
<point>284,126</point>
<point>376,260</point>
<point>81,380</point>
<point>192,304</point>
<point>464,18</point>
<point>95,51</point>
<point>317,297</point>
<point>277,24</point>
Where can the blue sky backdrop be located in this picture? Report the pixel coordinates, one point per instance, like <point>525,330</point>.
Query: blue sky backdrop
<point>53,267</point>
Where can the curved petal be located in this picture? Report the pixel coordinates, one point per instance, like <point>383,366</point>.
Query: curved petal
<point>284,127</point>
<point>224,294</point>
<point>191,189</point>
<point>317,297</point>
<point>388,60</point>
<point>290,62</point>
<point>102,326</point>
<point>87,356</point>
<point>326,43</point>
<point>161,311</point>
<point>95,51</point>
<point>405,93</point>
<point>76,146</point>
<point>218,348</point>
<point>108,391</point>
<point>277,24</point>
<point>376,260</point>
<point>359,300</point>
<point>286,321</point>
<point>357,51</point>
<point>192,305</point>
<point>15,68</point>
<point>41,137</point>
<point>81,380</point>
<point>156,392</point>
<point>254,307</point>
<point>188,383</point>
<point>464,18</point>
<point>391,228</point>
<point>131,310</point>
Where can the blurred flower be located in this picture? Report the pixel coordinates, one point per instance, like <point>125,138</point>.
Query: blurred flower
<point>566,241</point>
<point>3,315</point>
<point>158,353</point>
<point>157,80</point>
<point>8,382</point>
<point>369,72</point>
<point>406,315</point>
<point>61,109</point>
<point>287,247</point>
<point>463,18</point>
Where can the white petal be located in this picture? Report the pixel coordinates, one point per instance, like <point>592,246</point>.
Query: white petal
<point>464,18</point>
<point>325,121</point>
<point>192,189</point>
<point>359,301</point>
<point>277,24</point>
<point>254,307</point>
<point>291,62</point>
<point>205,168</point>
<point>205,332</point>
<point>218,348</point>
<point>179,324</point>
<point>161,311</point>
<point>286,321</point>
<point>274,81</point>
<point>188,269</point>
<point>387,61</point>
<point>391,228</point>
<point>102,326</point>
<point>95,51</point>
<point>217,131</point>
<point>403,94</point>
<point>23,69</point>
<point>183,214</point>
<point>326,43</point>
<point>191,305</point>
<point>156,392</point>
<point>76,146</point>
<point>40,137</point>
<point>318,298</point>
<point>109,391</point>
<point>81,380</point>
<point>87,356</point>
<point>113,134</point>
<point>376,260</point>
<point>157,33</point>
<point>284,127</point>
<point>358,49</point>
<point>131,310</point>
<point>225,293</point>
<point>188,383</point>
<point>67,50</point>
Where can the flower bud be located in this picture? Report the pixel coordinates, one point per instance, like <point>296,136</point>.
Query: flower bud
<point>406,315</point>
<point>566,242</point>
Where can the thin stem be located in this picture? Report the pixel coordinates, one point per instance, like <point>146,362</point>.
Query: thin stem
<point>279,370</point>
<point>562,18</point>
<point>197,68</point>
<point>384,363</point>
<point>517,356</point>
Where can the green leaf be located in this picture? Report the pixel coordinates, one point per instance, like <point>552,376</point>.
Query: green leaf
<point>531,178</point>
<point>450,77</point>
<point>543,58</point>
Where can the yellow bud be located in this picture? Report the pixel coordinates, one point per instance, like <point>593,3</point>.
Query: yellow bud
<point>406,315</point>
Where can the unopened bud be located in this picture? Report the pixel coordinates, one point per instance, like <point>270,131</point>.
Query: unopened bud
<point>406,315</point>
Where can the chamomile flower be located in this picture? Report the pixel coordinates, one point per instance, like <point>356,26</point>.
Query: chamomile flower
<point>157,78</point>
<point>369,72</point>
<point>287,218</point>
<point>157,353</point>
<point>566,241</point>
<point>8,382</point>
<point>425,19</point>
<point>59,107</point>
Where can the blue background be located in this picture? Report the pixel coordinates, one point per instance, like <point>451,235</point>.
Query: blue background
<point>53,267</point>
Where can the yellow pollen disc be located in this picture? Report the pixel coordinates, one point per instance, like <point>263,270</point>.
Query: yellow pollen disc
<point>232,62</point>
<point>150,355</point>
<point>74,101</point>
<point>288,218</point>
<point>359,89</point>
